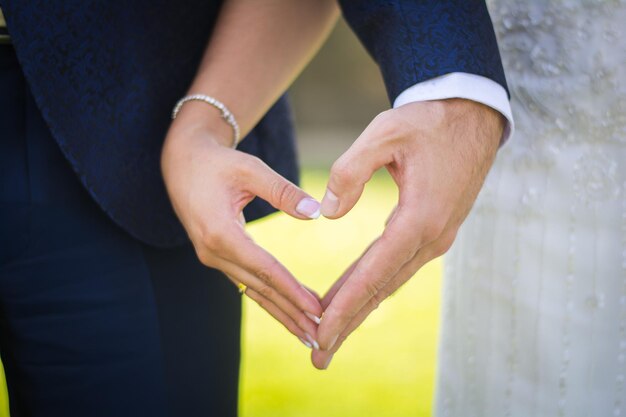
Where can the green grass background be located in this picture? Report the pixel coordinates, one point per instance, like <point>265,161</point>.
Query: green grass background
<point>385,369</point>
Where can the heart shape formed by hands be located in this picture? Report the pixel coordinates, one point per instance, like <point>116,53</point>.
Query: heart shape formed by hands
<point>438,153</point>
<point>437,184</point>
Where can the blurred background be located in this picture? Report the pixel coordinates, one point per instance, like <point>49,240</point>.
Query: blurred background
<point>335,98</point>
<point>387,367</point>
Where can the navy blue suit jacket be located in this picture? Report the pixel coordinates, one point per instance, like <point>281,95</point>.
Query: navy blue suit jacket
<point>106,74</point>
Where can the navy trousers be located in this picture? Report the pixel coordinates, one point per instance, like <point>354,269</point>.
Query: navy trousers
<point>92,322</point>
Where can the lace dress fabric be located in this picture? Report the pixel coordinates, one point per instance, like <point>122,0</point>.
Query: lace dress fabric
<point>534,297</point>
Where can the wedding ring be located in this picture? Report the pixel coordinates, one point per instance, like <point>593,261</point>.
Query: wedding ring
<point>242,288</point>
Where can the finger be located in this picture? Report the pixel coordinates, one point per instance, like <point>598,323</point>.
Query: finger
<point>306,338</point>
<point>236,246</point>
<point>256,287</point>
<point>321,359</point>
<point>413,224</point>
<point>350,173</point>
<point>330,294</point>
<point>263,181</point>
<point>313,292</point>
<point>397,246</point>
<point>391,215</point>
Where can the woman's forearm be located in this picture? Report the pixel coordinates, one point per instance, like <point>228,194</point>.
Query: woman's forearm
<point>257,49</point>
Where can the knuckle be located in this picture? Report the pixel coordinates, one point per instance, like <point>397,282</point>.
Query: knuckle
<point>409,248</point>
<point>443,244</point>
<point>248,166</point>
<point>212,239</point>
<point>205,258</point>
<point>378,299</point>
<point>339,314</point>
<point>267,273</point>
<point>282,192</point>
<point>373,288</point>
<point>265,276</point>
<point>343,173</point>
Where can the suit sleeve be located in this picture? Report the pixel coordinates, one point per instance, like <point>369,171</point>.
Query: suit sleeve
<point>416,40</point>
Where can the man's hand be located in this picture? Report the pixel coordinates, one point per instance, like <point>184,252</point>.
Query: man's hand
<point>438,153</point>
<point>209,185</point>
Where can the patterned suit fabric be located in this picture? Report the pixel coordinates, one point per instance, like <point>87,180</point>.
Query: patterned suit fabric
<point>413,41</point>
<point>105,76</point>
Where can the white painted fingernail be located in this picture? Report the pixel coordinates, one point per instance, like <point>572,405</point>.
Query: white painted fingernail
<point>330,203</point>
<point>332,342</point>
<point>312,341</point>
<point>307,344</point>
<point>309,207</point>
<point>330,358</point>
<point>316,319</point>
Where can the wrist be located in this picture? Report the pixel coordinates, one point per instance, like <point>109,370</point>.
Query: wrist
<point>193,131</point>
<point>197,118</point>
<point>492,119</point>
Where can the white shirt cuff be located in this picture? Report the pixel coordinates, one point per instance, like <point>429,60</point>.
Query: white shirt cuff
<point>463,85</point>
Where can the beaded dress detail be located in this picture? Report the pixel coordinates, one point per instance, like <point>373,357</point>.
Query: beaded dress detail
<point>534,297</point>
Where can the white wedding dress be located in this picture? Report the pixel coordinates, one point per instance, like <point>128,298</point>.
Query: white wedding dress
<point>534,297</point>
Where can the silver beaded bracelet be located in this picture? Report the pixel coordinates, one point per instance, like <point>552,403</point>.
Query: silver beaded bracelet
<point>226,114</point>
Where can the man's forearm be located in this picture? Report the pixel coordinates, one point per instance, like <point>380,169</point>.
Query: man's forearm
<point>255,52</point>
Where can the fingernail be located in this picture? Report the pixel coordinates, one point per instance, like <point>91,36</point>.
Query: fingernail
<point>312,341</point>
<point>309,207</point>
<point>332,342</point>
<point>313,317</point>
<point>330,203</point>
<point>307,344</point>
<point>330,358</point>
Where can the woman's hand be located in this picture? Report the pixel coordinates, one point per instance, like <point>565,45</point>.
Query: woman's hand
<point>209,185</point>
<point>256,50</point>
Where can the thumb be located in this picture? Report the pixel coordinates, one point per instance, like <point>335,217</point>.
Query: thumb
<point>348,177</point>
<point>281,193</point>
